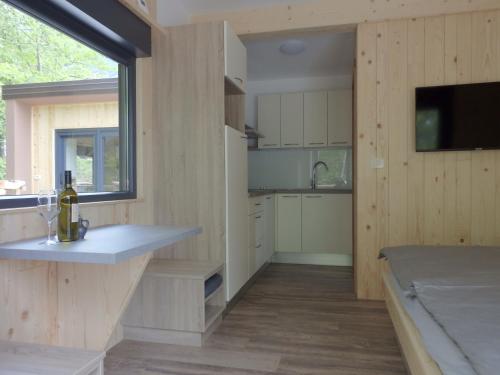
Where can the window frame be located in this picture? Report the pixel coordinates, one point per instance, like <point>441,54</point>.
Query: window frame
<point>124,52</point>
<point>98,136</point>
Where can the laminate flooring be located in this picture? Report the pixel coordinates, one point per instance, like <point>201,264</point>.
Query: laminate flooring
<point>295,319</point>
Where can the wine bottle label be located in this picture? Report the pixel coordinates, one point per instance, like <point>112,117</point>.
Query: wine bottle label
<point>75,213</point>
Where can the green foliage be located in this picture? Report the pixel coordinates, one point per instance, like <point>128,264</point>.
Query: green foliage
<point>339,172</point>
<point>2,167</point>
<point>32,52</point>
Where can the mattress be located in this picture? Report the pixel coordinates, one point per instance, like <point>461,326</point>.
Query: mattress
<point>440,347</point>
<point>459,288</point>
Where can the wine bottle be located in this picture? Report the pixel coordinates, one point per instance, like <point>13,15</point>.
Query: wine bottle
<point>67,223</point>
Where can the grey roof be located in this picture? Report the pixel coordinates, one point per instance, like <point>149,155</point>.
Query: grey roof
<point>62,88</point>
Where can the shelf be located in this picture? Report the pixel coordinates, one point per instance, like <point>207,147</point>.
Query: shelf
<point>212,312</point>
<point>214,293</point>
<point>184,269</point>
<point>26,358</point>
<point>103,245</point>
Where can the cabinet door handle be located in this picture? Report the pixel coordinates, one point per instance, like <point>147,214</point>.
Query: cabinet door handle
<point>316,143</point>
<point>268,197</point>
<point>258,204</point>
<point>314,196</point>
<point>258,217</point>
<point>289,196</point>
<point>258,246</point>
<point>338,143</point>
<point>291,144</point>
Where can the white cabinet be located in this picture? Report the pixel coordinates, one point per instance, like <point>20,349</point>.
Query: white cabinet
<point>236,163</point>
<point>292,120</point>
<point>260,242</point>
<point>289,231</point>
<point>315,119</point>
<point>270,219</point>
<point>340,117</point>
<point>310,119</point>
<point>327,223</point>
<point>252,243</point>
<point>258,231</point>
<point>235,59</point>
<point>269,120</point>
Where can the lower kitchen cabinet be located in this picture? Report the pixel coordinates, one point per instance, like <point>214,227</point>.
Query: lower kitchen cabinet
<point>260,231</point>
<point>289,223</point>
<point>270,227</point>
<point>327,223</point>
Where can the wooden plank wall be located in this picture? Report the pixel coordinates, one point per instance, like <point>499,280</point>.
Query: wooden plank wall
<point>68,304</point>
<point>47,118</point>
<point>339,13</point>
<point>189,137</point>
<point>78,305</point>
<point>431,198</point>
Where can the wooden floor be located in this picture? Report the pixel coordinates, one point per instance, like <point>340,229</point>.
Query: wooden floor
<point>295,319</point>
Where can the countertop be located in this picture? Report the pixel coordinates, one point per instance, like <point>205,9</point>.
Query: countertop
<point>260,192</point>
<point>102,245</point>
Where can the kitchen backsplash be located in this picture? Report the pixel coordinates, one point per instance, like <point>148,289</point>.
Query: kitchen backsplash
<point>291,169</point>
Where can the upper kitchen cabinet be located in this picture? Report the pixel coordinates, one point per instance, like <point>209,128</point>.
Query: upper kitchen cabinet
<point>315,119</point>
<point>269,120</point>
<point>292,120</point>
<point>340,118</point>
<point>235,59</point>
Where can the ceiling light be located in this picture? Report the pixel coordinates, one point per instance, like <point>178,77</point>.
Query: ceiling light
<point>292,47</point>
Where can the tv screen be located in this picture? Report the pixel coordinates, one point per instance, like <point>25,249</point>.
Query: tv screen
<point>458,117</point>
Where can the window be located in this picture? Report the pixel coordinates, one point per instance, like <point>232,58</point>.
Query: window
<point>94,156</point>
<point>339,173</point>
<point>67,86</point>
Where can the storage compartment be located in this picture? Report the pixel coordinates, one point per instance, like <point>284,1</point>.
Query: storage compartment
<point>269,121</point>
<point>170,299</point>
<point>235,59</point>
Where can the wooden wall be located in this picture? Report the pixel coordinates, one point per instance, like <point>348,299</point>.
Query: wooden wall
<point>69,304</point>
<point>47,118</point>
<point>78,305</point>
<point>189,136</point>
<point>328,13</point>
<point>420,198</point>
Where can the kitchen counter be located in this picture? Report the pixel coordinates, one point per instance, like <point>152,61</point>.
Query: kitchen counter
<point>260,192</point>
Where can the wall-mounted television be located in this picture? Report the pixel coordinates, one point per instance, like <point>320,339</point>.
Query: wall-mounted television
<point>458,117</point>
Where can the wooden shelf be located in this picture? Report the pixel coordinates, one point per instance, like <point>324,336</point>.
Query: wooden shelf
<point>214,293</point>
<point>169,304</point>
<point>212,312</point>
<point>184,269</point>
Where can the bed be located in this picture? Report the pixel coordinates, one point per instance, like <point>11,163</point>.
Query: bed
<point>445,306</point>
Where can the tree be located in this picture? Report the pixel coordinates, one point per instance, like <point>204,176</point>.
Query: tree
<point>33,52</point>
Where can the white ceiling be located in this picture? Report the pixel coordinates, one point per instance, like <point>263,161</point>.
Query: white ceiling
<point>326,54</point>
<point>208,6</point>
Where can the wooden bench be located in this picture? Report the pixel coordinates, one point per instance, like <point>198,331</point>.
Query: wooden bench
<point>23,358</point>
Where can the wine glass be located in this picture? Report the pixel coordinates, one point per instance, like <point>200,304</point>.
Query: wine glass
<point>48,208</point>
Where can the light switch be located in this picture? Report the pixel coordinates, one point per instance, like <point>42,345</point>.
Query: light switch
<point>378,163</point>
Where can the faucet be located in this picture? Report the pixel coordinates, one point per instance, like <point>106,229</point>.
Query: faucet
<point>316,165</point>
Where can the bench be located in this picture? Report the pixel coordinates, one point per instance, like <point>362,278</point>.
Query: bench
<point>23,358</point>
